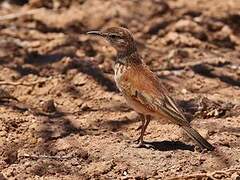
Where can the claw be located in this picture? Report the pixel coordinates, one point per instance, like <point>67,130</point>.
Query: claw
<point>143,145</point>
<point>137,141</point>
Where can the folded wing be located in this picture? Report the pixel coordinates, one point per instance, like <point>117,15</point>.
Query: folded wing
<point>147,90</point>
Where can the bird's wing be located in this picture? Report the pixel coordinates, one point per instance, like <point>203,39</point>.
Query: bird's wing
<point>147,90</point>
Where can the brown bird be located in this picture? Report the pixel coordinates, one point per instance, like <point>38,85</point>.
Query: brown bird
<point>142,89</point>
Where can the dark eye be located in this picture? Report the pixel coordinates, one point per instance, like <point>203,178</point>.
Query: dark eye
<point>114,36</point>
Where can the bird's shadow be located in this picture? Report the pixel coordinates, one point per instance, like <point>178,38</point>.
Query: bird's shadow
<point>169,145</point>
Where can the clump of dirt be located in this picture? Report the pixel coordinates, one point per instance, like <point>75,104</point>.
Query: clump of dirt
<point>62,116</point>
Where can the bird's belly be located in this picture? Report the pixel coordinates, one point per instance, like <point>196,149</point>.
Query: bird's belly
<point>137,106</point>
<point>142,109</point>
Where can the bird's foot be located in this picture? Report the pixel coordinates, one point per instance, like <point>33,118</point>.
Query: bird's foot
<point>142,144</point>
<point>145,145</point>
<point>137,141</point>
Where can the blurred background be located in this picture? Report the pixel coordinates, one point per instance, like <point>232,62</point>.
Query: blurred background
<point>62,116</point>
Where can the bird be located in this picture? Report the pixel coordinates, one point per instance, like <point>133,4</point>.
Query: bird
<point>143,90</point>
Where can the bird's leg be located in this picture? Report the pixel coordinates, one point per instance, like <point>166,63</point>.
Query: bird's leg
<point>142,118</point>
<point>144,127</point>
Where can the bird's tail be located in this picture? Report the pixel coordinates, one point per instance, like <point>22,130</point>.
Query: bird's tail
<point>203,143</point>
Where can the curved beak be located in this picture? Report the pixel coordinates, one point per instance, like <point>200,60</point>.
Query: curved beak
<point>97,33</point>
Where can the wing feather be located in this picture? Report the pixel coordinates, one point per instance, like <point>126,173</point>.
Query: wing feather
<point>153,95</point>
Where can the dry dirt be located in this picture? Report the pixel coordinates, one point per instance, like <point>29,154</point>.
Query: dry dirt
<point>62,116</point>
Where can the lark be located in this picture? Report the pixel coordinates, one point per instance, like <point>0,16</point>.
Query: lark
<point>142,89</point>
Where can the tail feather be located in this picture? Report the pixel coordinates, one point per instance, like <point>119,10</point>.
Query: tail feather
<point>203,143</point>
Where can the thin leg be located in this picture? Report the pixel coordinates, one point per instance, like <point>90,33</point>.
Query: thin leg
<point>144,127</point>
<point>142,118</point>
<point>147,120</point>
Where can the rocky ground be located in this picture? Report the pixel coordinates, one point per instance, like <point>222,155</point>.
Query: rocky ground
<point>62,116</point>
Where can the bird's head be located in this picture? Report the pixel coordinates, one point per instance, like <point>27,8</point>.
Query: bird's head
<point>120,38</point>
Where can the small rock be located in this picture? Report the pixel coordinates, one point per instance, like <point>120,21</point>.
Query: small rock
<point>125,173</point>
<point>4,95</point>
<point>184,91</point>
<point>12,157</point>
<point>235,176</point>
<point>85,107</point>
<point>75,162</point>
<point>49,106</point>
